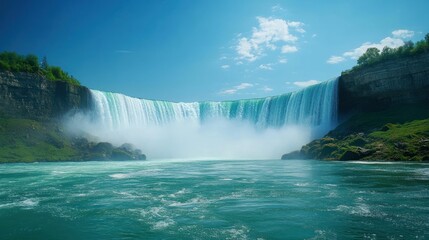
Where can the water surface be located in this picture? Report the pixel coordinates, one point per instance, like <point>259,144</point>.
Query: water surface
<point>214,200</point>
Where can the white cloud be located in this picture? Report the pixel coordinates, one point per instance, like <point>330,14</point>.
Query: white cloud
<point>229,91</point>
<point>306,83</point>
<point>314,35</point>
<point>282,60</point>
<point>266,89</point>
<point>392,42</point>
<point>239,87</point>
<point>269,33</point>
<point>266,66</point>
<point>403,33</point>
<point>298,26</point>
<point>225,66</point>
<point>276,8</point>
<point>386,42</point>
<point>289,49</point>
<point>244,50</point>
<point>244,86</point>
<point>335,59</point>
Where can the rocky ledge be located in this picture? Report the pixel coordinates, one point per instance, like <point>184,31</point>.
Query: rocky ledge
<point>400,133</point>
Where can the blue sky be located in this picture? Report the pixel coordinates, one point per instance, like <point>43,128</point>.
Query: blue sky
<point>206,50</point>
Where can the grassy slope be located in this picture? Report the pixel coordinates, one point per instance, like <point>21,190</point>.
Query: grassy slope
<point>23,140</point>
<point>397,133</point>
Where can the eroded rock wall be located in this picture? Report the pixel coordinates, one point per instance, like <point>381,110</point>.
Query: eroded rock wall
<point>25,95</point>
<point>404,80</point>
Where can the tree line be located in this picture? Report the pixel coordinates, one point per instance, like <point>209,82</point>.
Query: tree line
<point>11,61</point>
<point>374,55</point>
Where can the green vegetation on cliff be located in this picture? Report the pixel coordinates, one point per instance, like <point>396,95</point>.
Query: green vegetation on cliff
<point>374,55</point>
<point>24,140</point>
<point>399,133</point>
<point>11,61</point>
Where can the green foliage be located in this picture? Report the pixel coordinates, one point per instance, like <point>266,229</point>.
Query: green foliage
<point>373,55</point>
<point>397,133</point>
<point>23,140</point>
<point>11,61</point>
<point>369,56</point>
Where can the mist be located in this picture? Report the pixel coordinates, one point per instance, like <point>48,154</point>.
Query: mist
<point>212,139</point>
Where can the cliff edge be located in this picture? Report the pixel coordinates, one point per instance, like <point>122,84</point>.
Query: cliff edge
<point>378,86</point>
<point>31,96</point>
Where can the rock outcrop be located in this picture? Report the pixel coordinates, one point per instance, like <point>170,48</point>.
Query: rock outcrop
<point>30,96</point>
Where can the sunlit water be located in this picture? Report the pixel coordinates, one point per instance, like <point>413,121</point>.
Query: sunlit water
<point>214,200</point>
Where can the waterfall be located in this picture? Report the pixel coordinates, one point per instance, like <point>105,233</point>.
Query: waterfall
<point>312,106</point>
<point>261,128</point>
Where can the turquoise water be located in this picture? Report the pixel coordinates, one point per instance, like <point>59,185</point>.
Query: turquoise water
<point>214,200</point>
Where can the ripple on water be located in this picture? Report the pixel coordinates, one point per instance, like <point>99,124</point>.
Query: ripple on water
<point>120,175</point>
<point>157,217</point>
<point>148,172</point>
<point>179,193</point>
<point>238,232</point>
<point>27,203</point>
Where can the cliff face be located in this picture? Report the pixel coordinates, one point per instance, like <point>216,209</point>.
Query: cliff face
<point>375,87</point>
<point>388,104</point>
<point>24,95</point>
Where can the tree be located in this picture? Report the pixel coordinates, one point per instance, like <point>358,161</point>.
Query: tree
<point>45,64</point>
<point>370,56</point>
<point>427,38</point>
<point>386,52</point>
<point>31,63</point>
<point>408,46</point>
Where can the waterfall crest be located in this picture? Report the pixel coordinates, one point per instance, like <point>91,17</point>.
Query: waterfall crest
<point>312,106</point>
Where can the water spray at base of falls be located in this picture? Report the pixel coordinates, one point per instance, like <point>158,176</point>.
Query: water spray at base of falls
<point>262,128</point>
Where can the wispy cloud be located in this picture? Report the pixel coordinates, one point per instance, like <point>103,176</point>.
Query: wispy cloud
<point>306,83</point>
<point>403,33</point>
<point>266,66</point>
<point>269,35</point>
<point>394,41</point>
<point>266,89</point>
<point>335,59</point>
<point>277,8</point>
<point>237,88</point>
<point>289,49</point>
<point>226,66</point>
<point>283,60</point>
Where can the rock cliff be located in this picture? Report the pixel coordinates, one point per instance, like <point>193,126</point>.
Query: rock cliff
<point>384,113</point>
<point>30,96</point>
<point>375,87</point>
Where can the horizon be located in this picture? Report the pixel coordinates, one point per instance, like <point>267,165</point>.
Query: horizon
<point>205,51</point>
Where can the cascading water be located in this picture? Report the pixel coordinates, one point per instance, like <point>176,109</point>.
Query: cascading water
<point>313,106</point>
<point>251,128</point>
